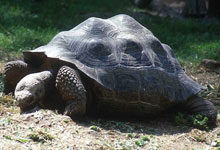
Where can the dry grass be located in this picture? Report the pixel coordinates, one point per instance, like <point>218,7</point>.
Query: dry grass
<point>46,129</point>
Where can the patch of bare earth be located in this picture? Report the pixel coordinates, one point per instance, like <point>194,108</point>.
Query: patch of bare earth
<point>46,129</point>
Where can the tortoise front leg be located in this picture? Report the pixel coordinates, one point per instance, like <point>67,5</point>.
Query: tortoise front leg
<point>199,105</point>
<point>72,92</point>
<point>14,71</point>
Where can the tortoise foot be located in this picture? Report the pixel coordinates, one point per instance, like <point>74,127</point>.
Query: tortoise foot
<point>14,72</point>
<point>199,105</point>
<point>75,110</point>
<point>72,92</point>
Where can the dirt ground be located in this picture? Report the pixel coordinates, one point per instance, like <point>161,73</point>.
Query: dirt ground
<point>46,129</point>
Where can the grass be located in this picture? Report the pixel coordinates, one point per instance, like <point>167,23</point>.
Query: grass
<point>191,40</point>
<point>27,25</point>
<point>196,121</point>
<point>31,24</point>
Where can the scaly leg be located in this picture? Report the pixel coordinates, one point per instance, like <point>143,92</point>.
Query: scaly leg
<point>72,92</point>
<point>14,72</point>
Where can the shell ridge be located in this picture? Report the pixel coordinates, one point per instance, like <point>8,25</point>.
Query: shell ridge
<point>98,46</point>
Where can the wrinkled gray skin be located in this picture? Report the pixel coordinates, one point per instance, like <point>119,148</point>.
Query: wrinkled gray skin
<point>32,88</point>
<point>116,66</point>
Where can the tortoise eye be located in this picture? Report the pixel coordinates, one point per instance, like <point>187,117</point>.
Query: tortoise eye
<point>99,50</point>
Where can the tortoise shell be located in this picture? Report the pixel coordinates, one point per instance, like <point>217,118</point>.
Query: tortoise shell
<point>124,57</point>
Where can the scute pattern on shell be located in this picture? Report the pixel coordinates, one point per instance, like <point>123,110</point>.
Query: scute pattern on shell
<point>105,49</point>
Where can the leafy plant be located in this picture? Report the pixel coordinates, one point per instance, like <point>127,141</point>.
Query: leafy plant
<point>40,137</point>
<point>180,119</point>
<point>142,141</point>
<point>95,128</point>
<point>200,122</point>
<point>197,121</point>
<point>130,135</point>
<point>8,137</point>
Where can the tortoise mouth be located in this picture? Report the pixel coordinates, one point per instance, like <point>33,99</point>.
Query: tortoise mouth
<point>24,99</point>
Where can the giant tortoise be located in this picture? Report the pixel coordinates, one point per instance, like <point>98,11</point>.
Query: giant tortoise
<point>107,66</point>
